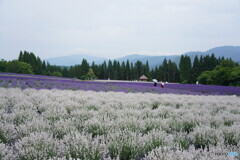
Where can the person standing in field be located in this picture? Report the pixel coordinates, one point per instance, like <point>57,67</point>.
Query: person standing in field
<point>162,84</point>
<point>155,81</point>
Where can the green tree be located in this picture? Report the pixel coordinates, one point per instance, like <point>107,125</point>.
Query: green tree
<point>116,70</point>
<point>195,70</point>
<point>139,69</point>
<point>16,66</point>
<point>123,71</point>
<point>234,77</point>
<point>65,72</point>
<point>3,65</point>
<point>90,75</point>
<point>205,78</point>
<point>110,69</point>
<point>185,69</point>
<point>128,71</point>
<point>84,67</point>
<point>103,71</point>
<point>20,57</point>
<point>165,70</point>
<point>57,74</point>
<point>227,73</point>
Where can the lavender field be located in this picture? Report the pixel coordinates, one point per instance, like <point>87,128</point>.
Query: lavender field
<point>54,118</point>
<point>50,124</point>
<point>23,81</point>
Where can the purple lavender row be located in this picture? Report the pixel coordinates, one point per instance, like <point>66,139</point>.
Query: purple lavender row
<point>219,90</point>
<point>32,75</point>
<point>41,83</point>
<point>94,86</point>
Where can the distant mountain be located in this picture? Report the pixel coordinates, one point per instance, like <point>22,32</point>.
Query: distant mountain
<point>232,52</point>
<point>152,60</point>
<point>74,59</point>
<point>131,58</point>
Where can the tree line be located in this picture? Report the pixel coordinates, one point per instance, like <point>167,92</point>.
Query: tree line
<point>168,71</point>
<point>191,71</point>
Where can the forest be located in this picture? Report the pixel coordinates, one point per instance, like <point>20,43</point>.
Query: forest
<point>205,69</point>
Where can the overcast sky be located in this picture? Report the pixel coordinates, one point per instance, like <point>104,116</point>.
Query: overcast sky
<point>115,28</point>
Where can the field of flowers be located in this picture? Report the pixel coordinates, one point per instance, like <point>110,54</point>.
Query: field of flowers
<point>66,124</point>
<point>23,81</point>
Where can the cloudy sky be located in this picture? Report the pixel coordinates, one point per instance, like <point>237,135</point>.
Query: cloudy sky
<point>115,28</point>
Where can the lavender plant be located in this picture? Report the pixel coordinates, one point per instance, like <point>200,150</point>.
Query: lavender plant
<point>65,124</point>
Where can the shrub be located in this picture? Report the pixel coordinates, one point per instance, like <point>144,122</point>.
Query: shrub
<point>204,140</point>
<point>183,143</point>
<point>3,139</point>
<point>155,105</point>
<point>230,139</point>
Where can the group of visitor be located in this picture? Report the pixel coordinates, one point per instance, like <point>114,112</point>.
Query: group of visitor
<point>161,84</point>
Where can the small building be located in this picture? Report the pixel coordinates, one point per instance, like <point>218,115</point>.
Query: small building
<point>143,78</point>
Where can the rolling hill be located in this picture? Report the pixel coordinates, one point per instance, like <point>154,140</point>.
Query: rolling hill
<point>232,52</point>
<point>74,59</point>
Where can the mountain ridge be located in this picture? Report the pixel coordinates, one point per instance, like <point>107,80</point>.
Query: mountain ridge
<point>232,52</point>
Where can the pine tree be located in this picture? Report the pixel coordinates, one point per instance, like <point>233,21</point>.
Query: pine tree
<point>195,70</point>
<point>147,71</point>
<point>110,69</point>
<point>165,70</point>
<point>123,71</point>
<point>185,69</point>
<point>128,71</point>
<point>133,74</point>
<point>20,57</point>
<point>139,69</point>
<point>115,70</point>
<point>84,68</point>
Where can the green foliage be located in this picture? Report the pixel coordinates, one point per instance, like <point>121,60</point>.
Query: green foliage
<point>155,143</point>
<point>174,126</point>
<point>188,126</point>
<point>167,72</point>
<point>3,139</point>
<point>84,68</point>
<point>57,74</point>
<point>234,76</point>
<point>205,78</point>
<point>184,126</point>
<point>214,124</point>
<point>90,74</point>
<point>185,82</point>
<point>227,73</point>
<point>190,74</point>
<point>149,128</point>
<point>126,152</point>
<point>19,119</point>
<point>230,139</point>
<point>185,68</point>
<point>129,151</point>
<point>85,153</point>
<point>96,130</point>
<point>3,65</point>
<point>16,66</point>
<point>183,143</point>
<point>92,107</point>
<point>228,122</point>
<point>204,141</point>
<point>178,105</point>
<point>155,105</point>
